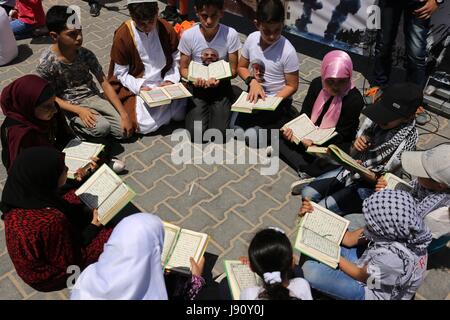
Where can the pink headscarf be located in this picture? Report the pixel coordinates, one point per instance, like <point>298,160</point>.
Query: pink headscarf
<point>335,64</point>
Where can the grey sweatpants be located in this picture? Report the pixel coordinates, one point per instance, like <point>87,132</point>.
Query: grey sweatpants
<point>107,119</point>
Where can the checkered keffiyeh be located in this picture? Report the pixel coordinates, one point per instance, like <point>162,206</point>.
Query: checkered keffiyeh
<point>391,215</point>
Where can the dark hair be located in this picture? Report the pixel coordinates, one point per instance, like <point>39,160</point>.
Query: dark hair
<point>270,11</point>
<point>143,11</point>
<point>269,251</point>
<point>57,18</point>
<point>200,4</point>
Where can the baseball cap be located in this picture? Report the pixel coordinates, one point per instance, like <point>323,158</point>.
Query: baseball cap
<point>400,100</point>
<point>433,163</point>
<point>139,1</point>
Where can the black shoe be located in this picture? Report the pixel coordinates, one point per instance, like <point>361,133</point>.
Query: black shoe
<point>95,9</point>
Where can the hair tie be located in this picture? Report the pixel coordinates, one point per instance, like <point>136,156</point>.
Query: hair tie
<point>277,229</point>
<point>272,277</point>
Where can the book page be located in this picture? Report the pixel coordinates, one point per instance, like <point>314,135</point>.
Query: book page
<point>198,70</point>
<point>112,200</point>
<point>320,135</point>
<point>98,188</point>
<point>301,126</point>
<point>170,237</point>
<point>154,95</point>
<point>269,103</point>
<point>188,245</point>
<point>346,158</point>
<point>82,150</point>
<point>325,223</point>
<point>395,183</point>
<point>241,277</point>
<point>177,91</point>
<point>218,70</point>
<point>74,164</point>
<point>320,243</point>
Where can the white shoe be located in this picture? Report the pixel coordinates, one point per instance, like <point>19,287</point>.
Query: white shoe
<point>297,186</point>
<point>117,165</point>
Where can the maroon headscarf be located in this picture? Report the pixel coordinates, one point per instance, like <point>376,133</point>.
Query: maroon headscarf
<point>18,102</point>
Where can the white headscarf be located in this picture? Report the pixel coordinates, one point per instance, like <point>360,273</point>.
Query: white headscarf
<point>130,266</point>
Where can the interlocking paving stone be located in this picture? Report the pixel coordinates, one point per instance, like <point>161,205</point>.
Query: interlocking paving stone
<point>164,187</point>
<point>257,207</point>
<point>25,289</point>
<point>222,203</point>
<point>6,264</point>
<point>184,202</point>
<point>157,171</point>
<point>160,192</point>
<point>8,290</point>
<point>228,229</point>
<point>198,220</point>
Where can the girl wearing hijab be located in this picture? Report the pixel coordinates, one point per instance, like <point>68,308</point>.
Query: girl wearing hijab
<point>332,101</point>
<point>32,118</point>
<point>46,232</point>
<point>130,266</point>
<point>394,263</point>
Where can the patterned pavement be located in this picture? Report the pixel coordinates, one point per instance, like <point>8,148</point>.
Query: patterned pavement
<point>229,202</point>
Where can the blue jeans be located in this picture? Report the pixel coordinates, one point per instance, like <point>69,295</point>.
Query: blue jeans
<point>21,30</point>
<point>415,31</point>
<point>330,193</point>
<point>334,282</point>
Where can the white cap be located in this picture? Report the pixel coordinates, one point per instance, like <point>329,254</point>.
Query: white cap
<point>433,163</point>
<point>139,1</point>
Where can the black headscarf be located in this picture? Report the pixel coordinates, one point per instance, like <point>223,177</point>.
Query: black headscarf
<point>33,180</point>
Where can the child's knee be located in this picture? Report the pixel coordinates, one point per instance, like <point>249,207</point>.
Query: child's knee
<point>102,127</point>
<point>312,271</point>
<point>311,193</point>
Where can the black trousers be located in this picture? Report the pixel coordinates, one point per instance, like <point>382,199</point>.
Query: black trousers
<point>211,107</point>
<point>297,158</point>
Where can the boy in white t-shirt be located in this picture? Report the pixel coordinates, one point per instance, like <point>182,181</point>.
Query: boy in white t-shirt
<point>269,66</point>
<point>208,42</point>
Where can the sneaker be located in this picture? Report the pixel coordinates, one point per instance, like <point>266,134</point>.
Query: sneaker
<point>117,165</point>
<point>372,94</point>
<point>297,186</point>
<point>94,10</point>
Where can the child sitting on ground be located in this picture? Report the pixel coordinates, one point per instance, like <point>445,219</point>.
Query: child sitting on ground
<point>68,67</point>
<point>388,131</point>
<point>393,265</point>
<point>270,256</point>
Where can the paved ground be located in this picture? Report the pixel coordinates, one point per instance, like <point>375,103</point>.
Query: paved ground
<point>229,202</point>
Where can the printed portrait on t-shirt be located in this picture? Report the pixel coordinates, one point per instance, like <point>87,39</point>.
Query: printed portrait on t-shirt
<point>257,70</point>
<point>209,55</point>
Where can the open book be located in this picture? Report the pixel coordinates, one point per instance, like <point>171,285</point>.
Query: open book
<point>240,277</point>
<point>395,183</point>
<point>320,234</point>
<point>107,192</point>
<point>181,244</point>
<point>339,156</point>
<point>164,95</point>
<point>242,105</point>
<point>217,70</point>
<point>303,128</point>
<point>79,154</point>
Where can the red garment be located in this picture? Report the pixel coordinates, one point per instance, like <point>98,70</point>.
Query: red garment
<point>18,102</point>
<point>31,12</point>
<point>42,244</point>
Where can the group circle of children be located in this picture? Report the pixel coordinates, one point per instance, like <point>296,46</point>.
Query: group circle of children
<point>48,228</point>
